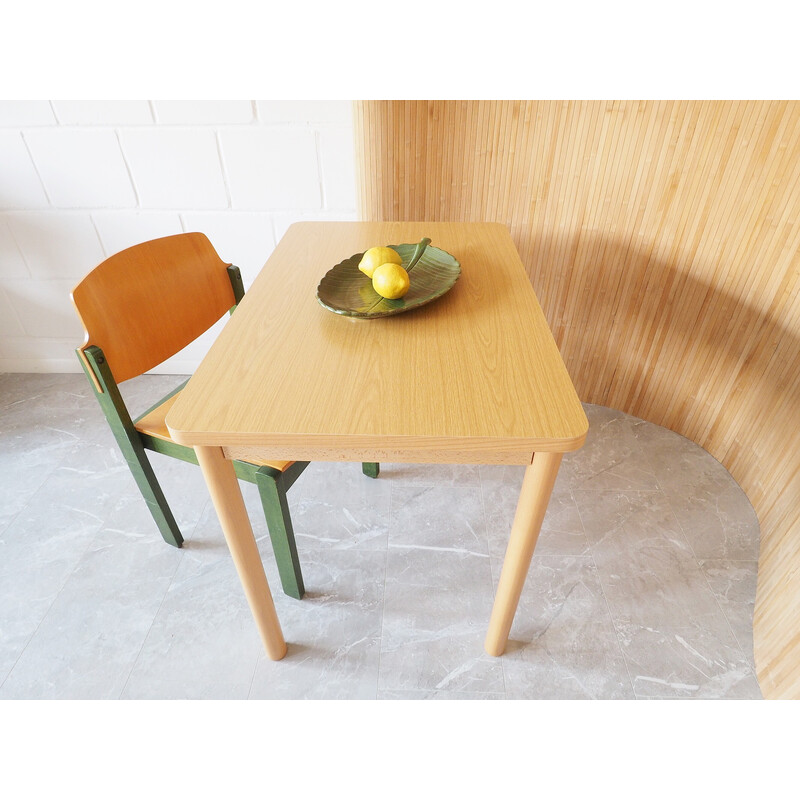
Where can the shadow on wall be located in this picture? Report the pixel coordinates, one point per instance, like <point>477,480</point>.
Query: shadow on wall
<point>650,338</point>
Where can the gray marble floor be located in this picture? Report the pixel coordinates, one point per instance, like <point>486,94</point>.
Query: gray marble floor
<point>642,585</point>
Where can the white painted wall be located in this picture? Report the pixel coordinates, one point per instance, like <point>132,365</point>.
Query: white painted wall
<point>81,180</point>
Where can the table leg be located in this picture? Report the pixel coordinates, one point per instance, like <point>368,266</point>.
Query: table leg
<point>537,486</point>
<point>229,504</point>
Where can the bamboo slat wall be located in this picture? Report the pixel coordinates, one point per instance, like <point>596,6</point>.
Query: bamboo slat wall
<point>662,241</point>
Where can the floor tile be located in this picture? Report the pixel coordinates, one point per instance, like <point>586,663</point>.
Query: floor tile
<point>436,695</point>
<point>336,505</point>
<point>717,521</point>
<point>436,605</point>
<point>687,662</point>
<point>734,586</point>
<point>563,643</point>
<point>432,474</point>
<point>333,635</point>
<point>562,530</point>
<point>440,518</point>
<point>648,572</point>
<point>25,598</point>
<point>88,641</point>
<point>203,642</point>
<point>613,457</point>
<point>642,584</point>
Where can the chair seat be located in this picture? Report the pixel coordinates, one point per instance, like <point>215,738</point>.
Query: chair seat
<point>154,424</point>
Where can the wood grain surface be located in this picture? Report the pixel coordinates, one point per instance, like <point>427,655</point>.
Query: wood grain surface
<point>147,302</point>
<point>473,377</point>
<point>662,240</point>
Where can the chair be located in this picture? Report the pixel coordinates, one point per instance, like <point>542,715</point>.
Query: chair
<point>140,307</point>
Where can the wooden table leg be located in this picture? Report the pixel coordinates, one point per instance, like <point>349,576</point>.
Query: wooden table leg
<point>537,486</point>
<point>229,504</point>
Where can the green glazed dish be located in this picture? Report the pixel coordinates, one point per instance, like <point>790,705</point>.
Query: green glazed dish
<point>347,291</point>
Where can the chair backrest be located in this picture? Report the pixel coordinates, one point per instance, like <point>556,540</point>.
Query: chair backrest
<point>148,302</point>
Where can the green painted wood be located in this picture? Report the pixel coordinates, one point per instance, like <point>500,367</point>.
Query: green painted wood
<point>171,449</point>
<point>272,484</point>
<point>347,291</point>
<point>244,470</point>
<point>290,475</point>
<point>272,487</point>
<point>281,532</point>
<point>130,444</point>
<point>371,469</point>
<point>161,401</point>
<point>247,471</point>
<point>235,275</point>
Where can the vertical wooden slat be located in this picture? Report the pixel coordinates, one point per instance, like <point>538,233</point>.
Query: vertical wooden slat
<point>662,239</point>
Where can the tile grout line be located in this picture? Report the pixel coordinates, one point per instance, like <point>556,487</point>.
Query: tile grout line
<point>708,582</point>
<point>135,661</point>
<point>253,677</point>
<point>15,517</point>
<point>383,597</point>
<point>180,558</point>
<point>743,654</point>
<point>492,593</point>
<point>55,596</point>
<point>605,600</point>
<point>653,471</point>
<point>67,579</point>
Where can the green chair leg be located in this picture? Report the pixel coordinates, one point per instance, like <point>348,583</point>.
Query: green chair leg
<point>130,443</point>
<point>371,469</point>
<point>156,502</point>
<point>279,523</point>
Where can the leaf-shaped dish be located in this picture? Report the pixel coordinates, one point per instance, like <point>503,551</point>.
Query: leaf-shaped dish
<point>346,290</point>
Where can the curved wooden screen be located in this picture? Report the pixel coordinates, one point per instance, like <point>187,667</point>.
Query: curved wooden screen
<point>662,241</point>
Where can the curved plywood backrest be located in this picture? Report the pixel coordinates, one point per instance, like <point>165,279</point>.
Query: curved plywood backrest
<point>663,241</point>
<point>148,302</point>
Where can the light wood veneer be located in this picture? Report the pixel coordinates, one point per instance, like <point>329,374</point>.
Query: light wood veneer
<point>473,377</point>
<point>438,384</point>
<point>662,240</point>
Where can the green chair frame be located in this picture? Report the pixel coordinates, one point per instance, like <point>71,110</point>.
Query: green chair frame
<point>272,483</point>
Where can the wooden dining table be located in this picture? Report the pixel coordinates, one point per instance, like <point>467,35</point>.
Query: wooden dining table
<point>474,377</point>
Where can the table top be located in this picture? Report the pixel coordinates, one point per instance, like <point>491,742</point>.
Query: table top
<point>474,377</point>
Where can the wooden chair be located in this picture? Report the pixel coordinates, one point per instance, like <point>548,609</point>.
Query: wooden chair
<point>138,308</point>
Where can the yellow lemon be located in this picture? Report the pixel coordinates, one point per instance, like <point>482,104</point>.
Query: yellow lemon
<point>376,256</point>
<point>390,281</point>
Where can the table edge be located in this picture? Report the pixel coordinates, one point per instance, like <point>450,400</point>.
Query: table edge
<point>415,449</point>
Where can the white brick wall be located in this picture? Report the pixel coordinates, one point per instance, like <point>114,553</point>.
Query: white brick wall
<point>175,167</point>
<point>20,185</point>
<point>272,168</point>
<point>82,179</point>
<point>81,167</point>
